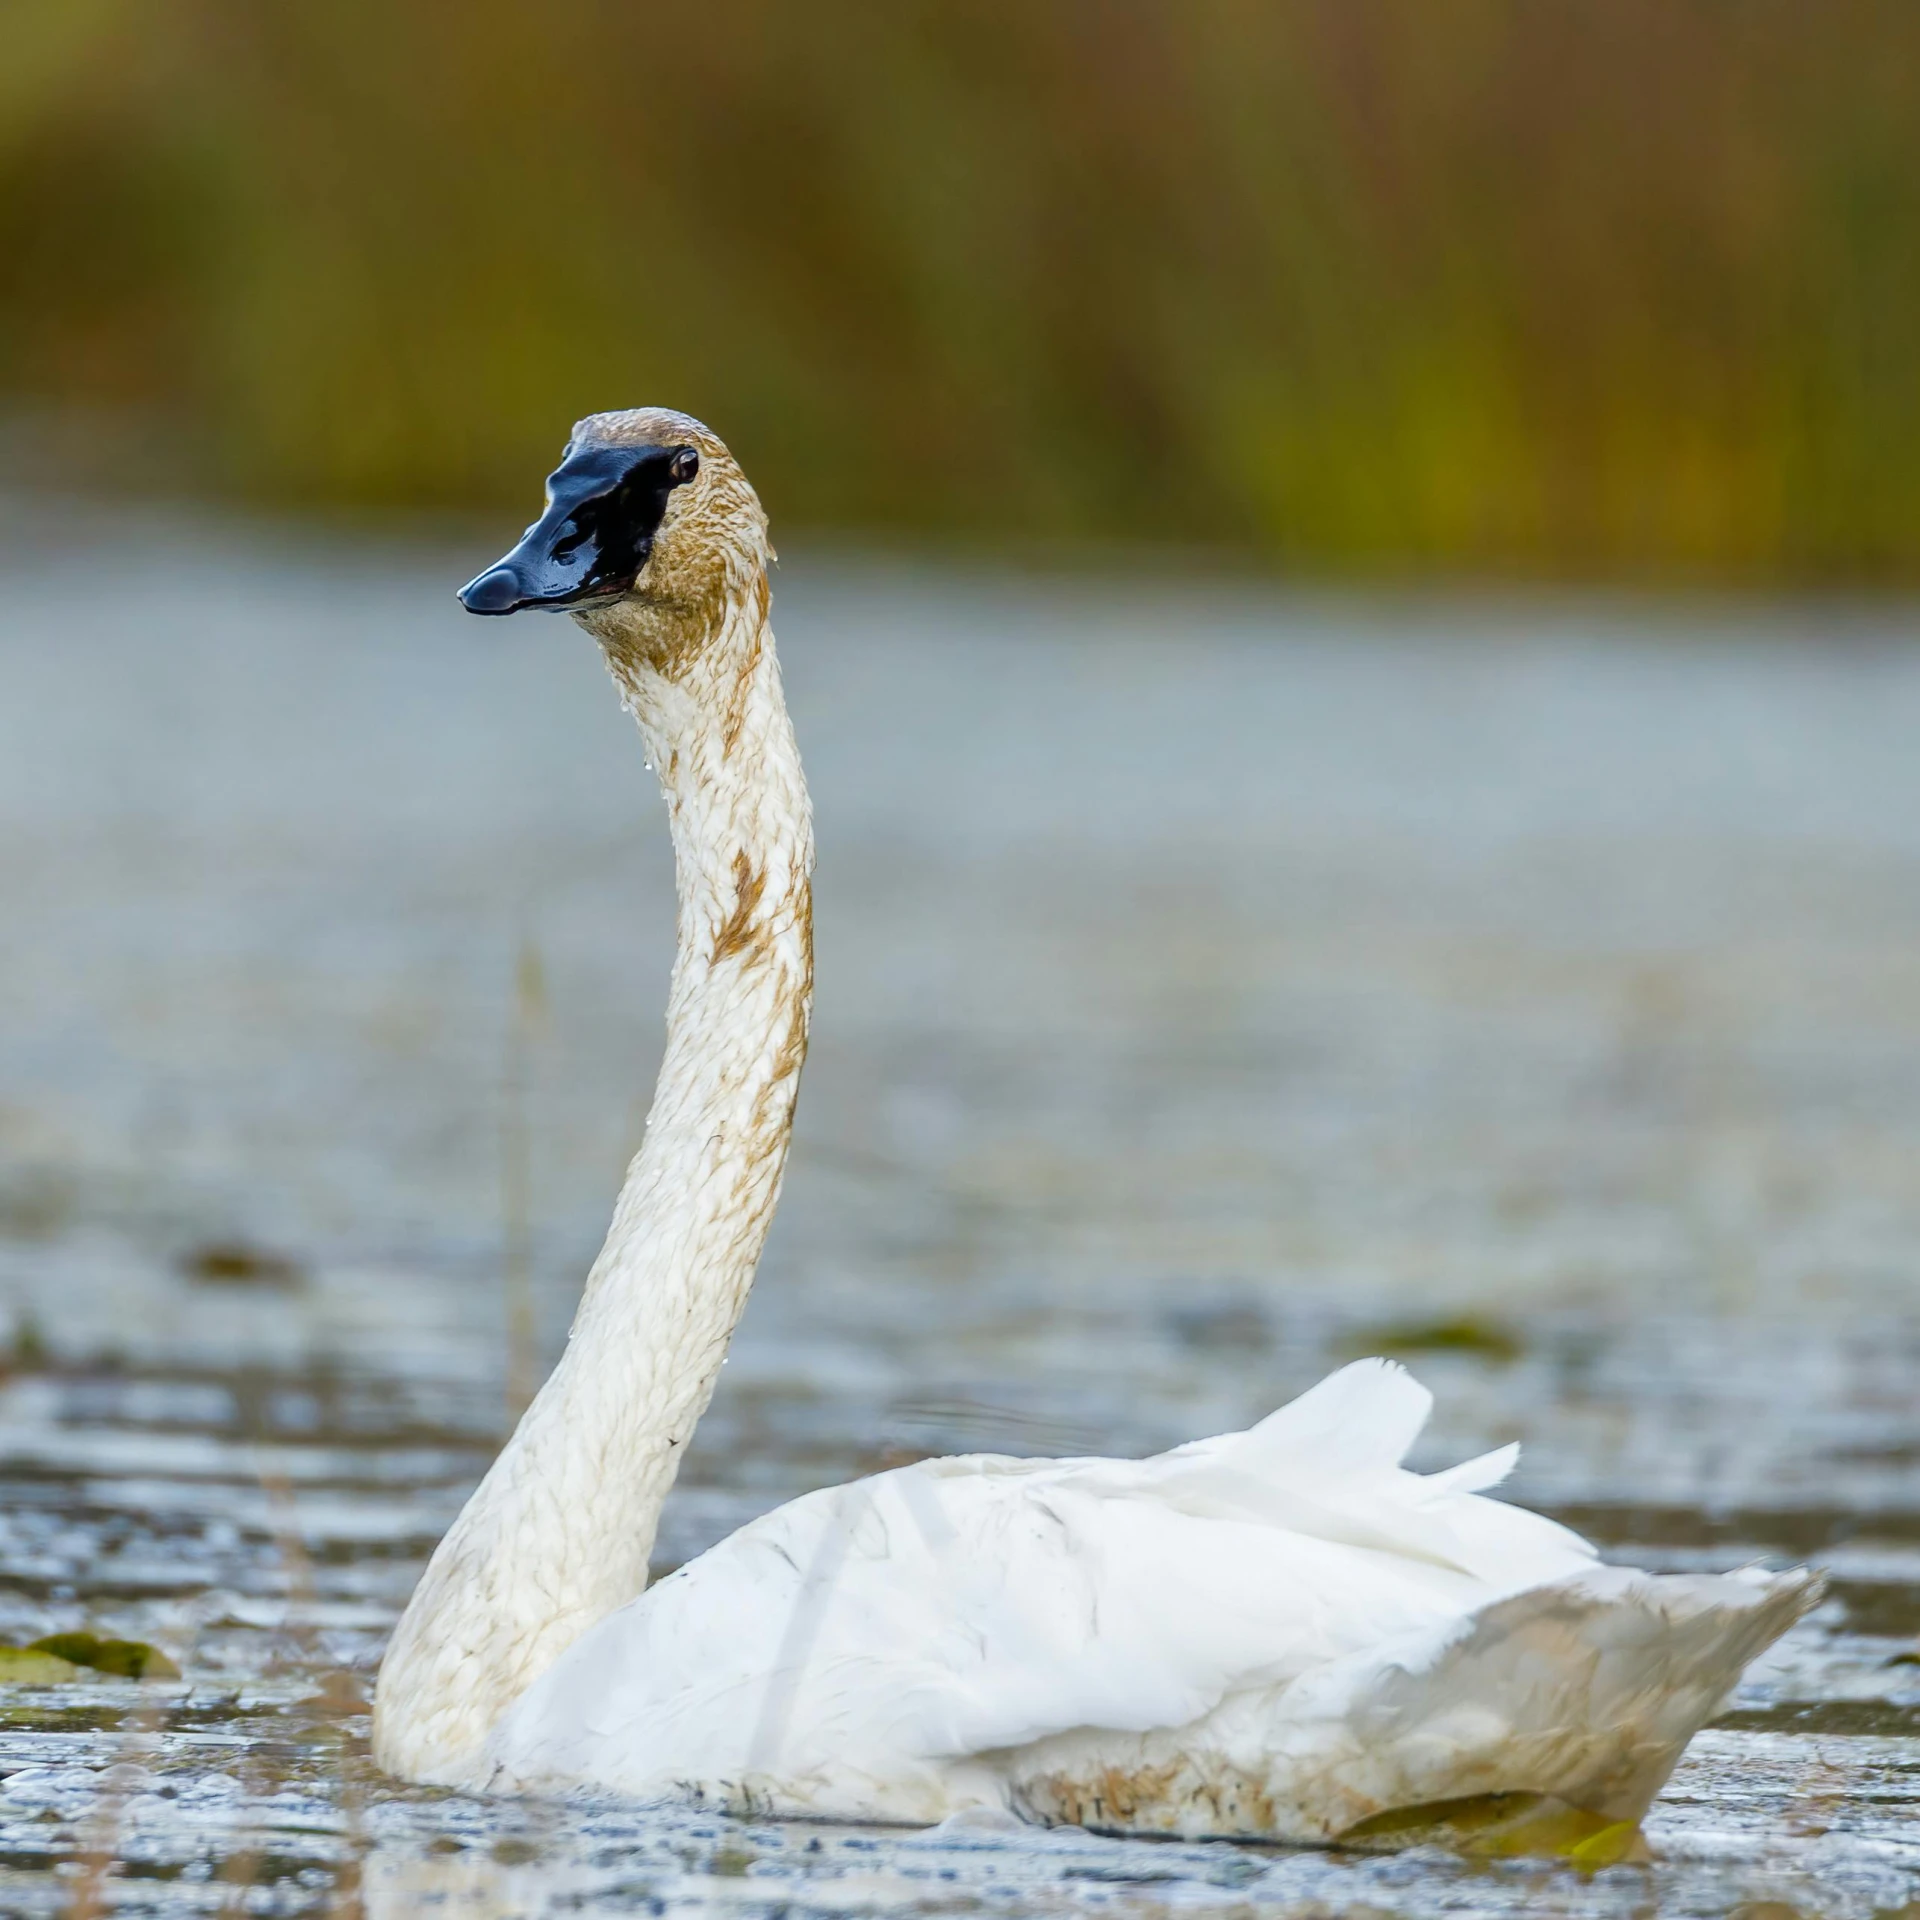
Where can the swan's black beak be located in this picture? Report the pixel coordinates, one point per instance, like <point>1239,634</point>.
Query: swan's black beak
<point>604,507</point>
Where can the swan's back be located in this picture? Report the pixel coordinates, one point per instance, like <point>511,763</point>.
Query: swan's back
<point>1280,1631</point>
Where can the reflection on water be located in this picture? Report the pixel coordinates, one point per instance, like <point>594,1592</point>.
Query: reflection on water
<point>1209,985</point>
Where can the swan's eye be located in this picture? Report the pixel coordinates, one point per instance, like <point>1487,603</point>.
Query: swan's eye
<point>683,466</point>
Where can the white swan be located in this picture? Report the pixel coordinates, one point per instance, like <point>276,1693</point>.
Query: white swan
<point>1277,1633</point>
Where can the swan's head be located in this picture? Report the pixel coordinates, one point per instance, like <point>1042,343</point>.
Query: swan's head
<point>646,509</point>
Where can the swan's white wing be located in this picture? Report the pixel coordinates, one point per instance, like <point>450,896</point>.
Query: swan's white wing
<point>856,1644</point>
<point>1586,1688</point>
<point>1328,1464</point>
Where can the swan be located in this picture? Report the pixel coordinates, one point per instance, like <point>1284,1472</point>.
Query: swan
<point>1280,1634</point>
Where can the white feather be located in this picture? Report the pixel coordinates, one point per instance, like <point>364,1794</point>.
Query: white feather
<point>1024,1634</point>
<point>1278,1632</point>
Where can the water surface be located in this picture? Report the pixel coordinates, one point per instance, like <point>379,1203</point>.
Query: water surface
<point>1213,983</point>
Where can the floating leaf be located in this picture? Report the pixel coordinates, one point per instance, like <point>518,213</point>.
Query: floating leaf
<point>1610,1847</point>
<point>1528,1826</point>
<point>126,1659</point>
<point>233,1263</point>
<point>34,1667</point>
<point>339,1693</point>
<point>1464,1333</point>
<point>29,1346</point>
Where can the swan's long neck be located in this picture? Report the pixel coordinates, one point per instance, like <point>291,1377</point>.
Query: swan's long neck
<point>560,1531</point>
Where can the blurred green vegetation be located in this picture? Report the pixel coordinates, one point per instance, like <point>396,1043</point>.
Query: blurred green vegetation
<point>1600,288</point>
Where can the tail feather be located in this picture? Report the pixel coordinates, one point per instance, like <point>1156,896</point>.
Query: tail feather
<point>1476,1475</point>
<point>1587,1689</point>
<point>1328,1464</point>
<point>1361,1419</point>
<point>1584,1691</point>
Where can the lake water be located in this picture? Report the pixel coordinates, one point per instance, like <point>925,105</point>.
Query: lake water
<point>1213,983</point>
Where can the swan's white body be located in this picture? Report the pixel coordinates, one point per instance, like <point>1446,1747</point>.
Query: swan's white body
<point>1277,1633</point>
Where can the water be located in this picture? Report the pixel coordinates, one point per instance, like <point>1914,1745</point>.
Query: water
<point>1212,983</point>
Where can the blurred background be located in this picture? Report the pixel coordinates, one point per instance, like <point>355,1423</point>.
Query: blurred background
<point>1584,288</point>
<point>1346,598</point>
